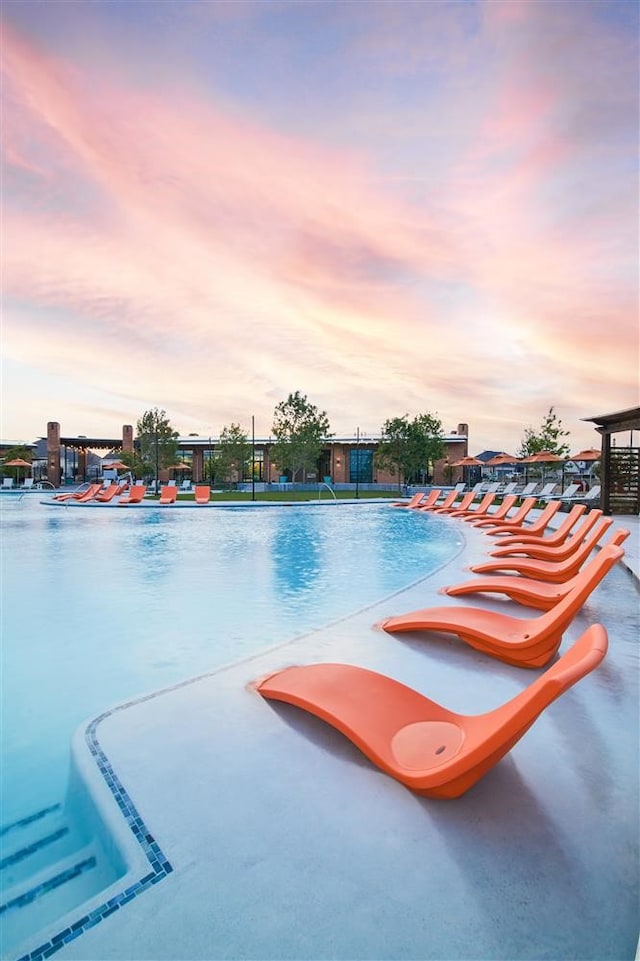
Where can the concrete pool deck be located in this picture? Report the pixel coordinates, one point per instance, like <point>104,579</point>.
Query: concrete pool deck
<point>286,842</point>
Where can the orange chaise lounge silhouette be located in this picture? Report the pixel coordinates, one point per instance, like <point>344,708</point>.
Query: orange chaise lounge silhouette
<point>426,747</point>
<point>530,592</point>
<point>525,642</point>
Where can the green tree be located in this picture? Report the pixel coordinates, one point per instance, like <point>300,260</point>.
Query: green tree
<point>300,431</point>
<point>233,454</point>
<point>410,448</point>
<point>548,437</point>
<point>156,445</point>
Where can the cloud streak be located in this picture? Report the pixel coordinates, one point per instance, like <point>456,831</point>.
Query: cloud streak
<point>179,250</point>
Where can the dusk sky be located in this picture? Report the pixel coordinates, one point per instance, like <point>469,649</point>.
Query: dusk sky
<point>393,207</point>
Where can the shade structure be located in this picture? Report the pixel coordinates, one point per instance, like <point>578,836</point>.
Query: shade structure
<point>115,465</point>
<point>543,457</point>
<point>468,462</point>
<point>589,454</point>
<point>501,459</point>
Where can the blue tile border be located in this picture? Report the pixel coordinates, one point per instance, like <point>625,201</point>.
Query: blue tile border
<point>159,865</point>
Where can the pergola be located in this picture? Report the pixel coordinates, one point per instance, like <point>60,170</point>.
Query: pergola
<point>619,465</point>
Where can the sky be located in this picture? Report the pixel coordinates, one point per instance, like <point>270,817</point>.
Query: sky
<point>393,207</point>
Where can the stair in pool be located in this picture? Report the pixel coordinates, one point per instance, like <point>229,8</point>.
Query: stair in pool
<point>46,870</point>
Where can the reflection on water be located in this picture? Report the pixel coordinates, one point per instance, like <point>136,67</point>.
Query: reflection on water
<point>102,605</point>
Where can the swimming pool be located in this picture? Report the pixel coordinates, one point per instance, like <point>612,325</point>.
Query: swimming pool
<point>103,605</point>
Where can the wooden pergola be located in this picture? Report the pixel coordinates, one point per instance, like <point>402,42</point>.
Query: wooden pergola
<point>619,464</point>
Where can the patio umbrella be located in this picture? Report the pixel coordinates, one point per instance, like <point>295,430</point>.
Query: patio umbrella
<point>467,462</point>
<point>115,465</point>
<point>501,459</point>
<point>544,457</point>
<point>589,454</point>
<point>17,462</point>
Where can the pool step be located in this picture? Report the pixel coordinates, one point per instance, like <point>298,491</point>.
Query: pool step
<point>30,844</point>
<point>51,893</point>
<point>46,870</point>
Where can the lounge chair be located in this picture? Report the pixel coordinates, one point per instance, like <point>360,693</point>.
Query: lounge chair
<point>509,488</point>
<point>552,552</point>
<point>134,496</point>
<point>171,483</point>
<point>7,483</point>
<point>533,593</point>
<point>447,502</point>
<point>558,537</point>
<point>185,486</point>
<point>467,499</point>
<point>537,527</point>
<point>515,521</point>
<point>108,493</point>
<point>430,500</point>
<point>547,492</point>
<point>569,493</point>
<point>479,511</point>
<point>525,642</point>
<point>27,484</point>
<point>591,497</point>
<point>202,493</point>
<point>90,491</point>
<point>431,750</point>
<point>168,495</point>
<point>529,489</point>
<point>554,571</point>
<point>497,516</point>
<point>415,500</point>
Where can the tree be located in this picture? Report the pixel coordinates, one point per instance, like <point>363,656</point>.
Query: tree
<point>410,447</point>
<point>156,445</point>
<point>233,454</point>
<point>548,438</point>
<point>300,430</point>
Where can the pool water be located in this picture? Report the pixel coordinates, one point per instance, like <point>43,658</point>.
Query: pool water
<point>100,605</point>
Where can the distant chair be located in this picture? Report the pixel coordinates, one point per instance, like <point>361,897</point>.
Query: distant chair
<point>591,497</point>
<point>547,492</point>
<point>27,484</point>
<point>135,496</point>
<point>202,493</point>
<point>168,495</point>
<point>171,483</point>
<point>7,483</point>
<point>569,493</point>
<point>186,485</point>
<point>528,489</point>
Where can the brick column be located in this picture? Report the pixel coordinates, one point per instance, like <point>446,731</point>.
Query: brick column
<point>127,437</point>
<point>53,453</point>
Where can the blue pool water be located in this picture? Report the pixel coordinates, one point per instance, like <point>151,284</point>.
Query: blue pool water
<point>100,605</point>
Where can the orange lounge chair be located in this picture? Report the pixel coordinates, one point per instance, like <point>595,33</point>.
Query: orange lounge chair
<point>447,502</point>
<point>558,537</point>
<point>551,552</point>
<point>135,495</point>
<point>202,493</point>
<point>467,499</point>
<point>498,515</point>
<point>537,527</point>
<point>525,642</point>
<point>415,500</point>
<point>426,747</point>
<point>517,518</point>
<point>80,495</point>
<point>480,510</point>
<point>168,495</point>
<point>532,593</point>
<point>430,500</point>
<point>108,493</point>
<point>555,571</point>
